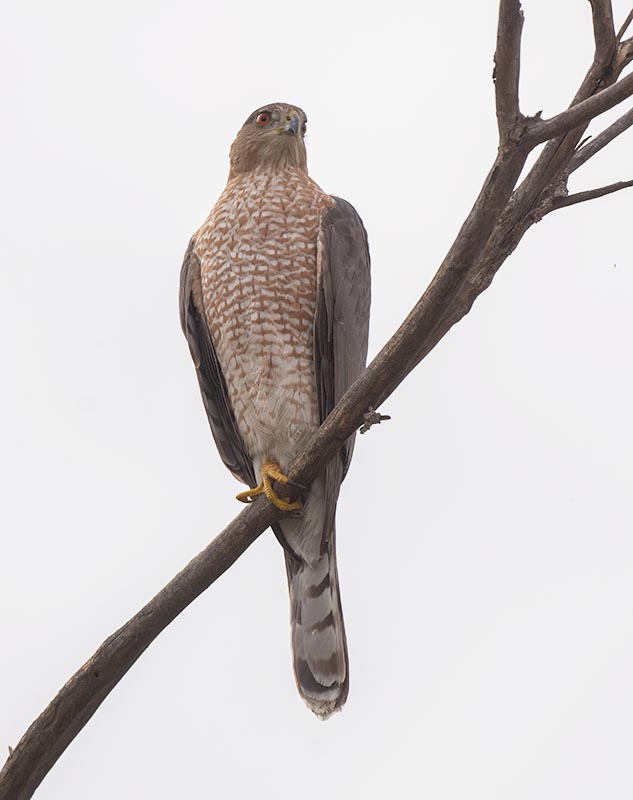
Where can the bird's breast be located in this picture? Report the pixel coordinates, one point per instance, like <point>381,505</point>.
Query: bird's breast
<point>258,256</point>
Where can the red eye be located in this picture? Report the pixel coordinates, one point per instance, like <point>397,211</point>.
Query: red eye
<point>263,118</point>
<point>304,128</point>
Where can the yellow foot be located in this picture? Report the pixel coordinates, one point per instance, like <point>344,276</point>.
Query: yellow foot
<point>250,494</point>
<point>270,472</point>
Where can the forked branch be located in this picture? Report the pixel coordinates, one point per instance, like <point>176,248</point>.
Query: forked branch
<point>600,141</point>
<point>500,216</point>
<point>581,113</point>
<point>591,194</point>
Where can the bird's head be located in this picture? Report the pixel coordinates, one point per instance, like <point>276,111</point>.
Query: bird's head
<point>271,137</point>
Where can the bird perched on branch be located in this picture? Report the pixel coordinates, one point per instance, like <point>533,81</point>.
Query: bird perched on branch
<point>274,302</point>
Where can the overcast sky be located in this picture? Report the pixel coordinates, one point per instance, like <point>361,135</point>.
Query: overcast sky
<point>485,548</point>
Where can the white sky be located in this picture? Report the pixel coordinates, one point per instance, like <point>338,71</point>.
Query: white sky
<point>485,548</point>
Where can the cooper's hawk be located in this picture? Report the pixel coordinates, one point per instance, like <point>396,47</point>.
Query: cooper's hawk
<point>274,302</point>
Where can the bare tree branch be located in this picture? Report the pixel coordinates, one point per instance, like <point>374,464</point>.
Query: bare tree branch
<point>507,66</point>
<point>50,734</point>
<point>554,159</point>
<point>581,113</point>
<point>532,199</point>
<point>603,31</point>
<point>624,55</point>
<point>55,728</point>
<point>498,220</point>
<point>625,25</point>
<point>596,144</point>
<point>591,194</point>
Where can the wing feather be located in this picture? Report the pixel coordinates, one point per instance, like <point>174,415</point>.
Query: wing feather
<point>341,325</point>
<point>212,383</point>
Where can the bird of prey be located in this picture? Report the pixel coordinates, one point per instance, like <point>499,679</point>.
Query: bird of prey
<point>274,303</point>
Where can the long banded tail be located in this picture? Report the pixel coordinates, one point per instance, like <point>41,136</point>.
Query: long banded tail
<point>318,634</point>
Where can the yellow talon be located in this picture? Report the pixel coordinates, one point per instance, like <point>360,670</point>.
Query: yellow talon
<point>270,472</point>
<point>250,494</point>
<point>273,471</point>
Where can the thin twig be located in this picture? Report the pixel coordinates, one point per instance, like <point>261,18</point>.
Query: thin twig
<point>600,141</point>
<point>371,418</point>
<point>590,194</point>
<point>625,26</point>
<point>507,65</point>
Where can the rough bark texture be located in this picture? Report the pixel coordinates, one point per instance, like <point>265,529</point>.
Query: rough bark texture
<point>500,216</point>
<point>507,66</point>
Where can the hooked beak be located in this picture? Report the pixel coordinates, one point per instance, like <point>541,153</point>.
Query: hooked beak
<point>292,124</point>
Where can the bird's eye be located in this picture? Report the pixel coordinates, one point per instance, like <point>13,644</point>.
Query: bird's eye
<point>304,128</point>
<point>263,118</point>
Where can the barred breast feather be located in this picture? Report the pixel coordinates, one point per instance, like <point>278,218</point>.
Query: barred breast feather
<point>258,257</point>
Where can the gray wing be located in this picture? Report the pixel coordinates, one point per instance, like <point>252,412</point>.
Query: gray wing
<point>212,384</point>
<point>341,325</point>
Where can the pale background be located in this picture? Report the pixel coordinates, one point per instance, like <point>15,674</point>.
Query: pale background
<point>485,546</point>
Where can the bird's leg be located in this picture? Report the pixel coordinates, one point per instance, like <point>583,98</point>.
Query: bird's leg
<point>270,471</point>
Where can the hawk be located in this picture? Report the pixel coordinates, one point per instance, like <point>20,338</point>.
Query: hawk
<point>274,303</point>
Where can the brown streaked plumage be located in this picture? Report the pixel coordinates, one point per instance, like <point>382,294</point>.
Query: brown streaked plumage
<point>275,293</point>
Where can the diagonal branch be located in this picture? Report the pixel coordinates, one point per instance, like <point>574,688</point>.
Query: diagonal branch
<point>61,721</point>
<point>581,113</point>
<point>507,66</point>
<point>591,194</point>
<point>625,26</point>
<point>600,141</point>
